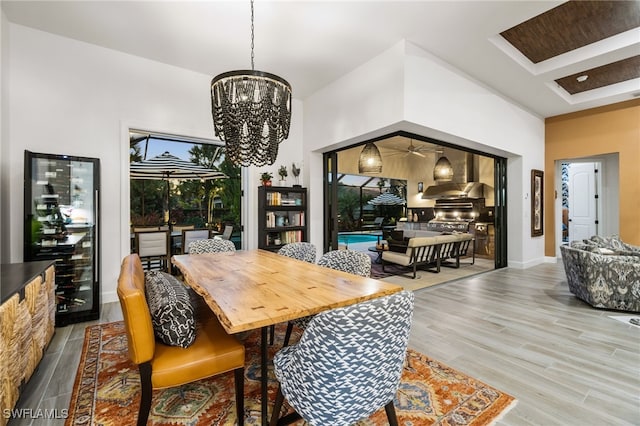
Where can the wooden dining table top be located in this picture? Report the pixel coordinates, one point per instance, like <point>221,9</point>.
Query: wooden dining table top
<point>250,289</point>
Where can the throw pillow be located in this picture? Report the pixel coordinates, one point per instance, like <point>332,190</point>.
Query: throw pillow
<point>172,314</point>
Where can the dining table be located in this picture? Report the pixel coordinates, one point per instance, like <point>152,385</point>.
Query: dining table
<point>256,289</point>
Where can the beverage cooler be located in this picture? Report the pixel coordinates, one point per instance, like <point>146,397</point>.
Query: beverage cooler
<point>61,212</point>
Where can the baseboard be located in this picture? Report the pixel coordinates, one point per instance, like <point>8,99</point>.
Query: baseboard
<point>525,265</point>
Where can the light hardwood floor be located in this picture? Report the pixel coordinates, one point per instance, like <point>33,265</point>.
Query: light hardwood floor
<point>520,331</point>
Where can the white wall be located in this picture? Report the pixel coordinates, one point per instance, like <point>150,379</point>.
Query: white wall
<point>4,135</point>
<point>432,99</point>
<point>74,98</point>
<point>79,99</point>
<point>352,109</point>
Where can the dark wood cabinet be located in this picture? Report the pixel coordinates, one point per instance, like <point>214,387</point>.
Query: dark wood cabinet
<point>282,216</point>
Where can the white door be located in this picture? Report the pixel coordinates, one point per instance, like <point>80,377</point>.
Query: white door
<point>582,201</point>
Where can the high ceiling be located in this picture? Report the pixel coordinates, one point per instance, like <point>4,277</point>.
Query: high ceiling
<point>312,43</point>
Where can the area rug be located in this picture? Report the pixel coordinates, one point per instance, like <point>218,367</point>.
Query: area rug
<point>390,269</point>
<point>107,390</point>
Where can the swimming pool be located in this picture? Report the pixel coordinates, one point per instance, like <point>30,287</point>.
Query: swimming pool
<point>357,238</point>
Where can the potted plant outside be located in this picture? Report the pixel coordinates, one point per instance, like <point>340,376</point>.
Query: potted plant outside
<point>266,178</point>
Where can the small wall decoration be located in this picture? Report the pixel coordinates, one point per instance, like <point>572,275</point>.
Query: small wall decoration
<point>420,186</point>
<point>537,206</point>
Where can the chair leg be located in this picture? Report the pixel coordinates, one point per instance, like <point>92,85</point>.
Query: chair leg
<point>239,381</point>
<point>287,335</point>
<point>277,406</point>
<point>146,393</point>
<point>272,334</point>
<point>391,414</point>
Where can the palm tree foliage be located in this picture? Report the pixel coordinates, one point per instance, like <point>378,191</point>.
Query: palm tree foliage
<point>211,202</point>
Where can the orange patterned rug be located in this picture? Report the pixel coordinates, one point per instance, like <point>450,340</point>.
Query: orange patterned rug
<point>107,386</point>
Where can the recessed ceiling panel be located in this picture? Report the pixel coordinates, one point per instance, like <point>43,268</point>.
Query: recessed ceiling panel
<point>605,75</point>
<point>570,26</point>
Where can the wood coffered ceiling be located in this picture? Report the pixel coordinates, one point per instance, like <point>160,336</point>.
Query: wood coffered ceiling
<point>605,75</point>
<point>573,25</point>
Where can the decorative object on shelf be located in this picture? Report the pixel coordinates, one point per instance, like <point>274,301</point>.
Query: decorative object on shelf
<point>251,112</point>
<point>443,171</point>
<point>282,172</point>
<point>370,159</point>
<point>282,218</point>
<point>266,177</point>
<point>295,171</point>
<point>420,187</point>
<point>537,206</point>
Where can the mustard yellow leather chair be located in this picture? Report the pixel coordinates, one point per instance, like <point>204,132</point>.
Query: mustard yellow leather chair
<point>162,366</point>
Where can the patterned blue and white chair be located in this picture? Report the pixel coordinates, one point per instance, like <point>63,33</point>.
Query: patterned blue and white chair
<point>301,251</point>
<point>353,262</point>
<point>211,245</point>
<point>347,364</point>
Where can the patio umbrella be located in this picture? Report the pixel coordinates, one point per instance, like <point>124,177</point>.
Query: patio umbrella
<point>387,199</point>
<point>166,167</point>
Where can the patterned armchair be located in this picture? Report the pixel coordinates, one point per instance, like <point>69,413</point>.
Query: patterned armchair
<point>604,272</point>
<point>211,245</point>
<point>353,262</point>
<point>301,251</point>
<point>347,364</point>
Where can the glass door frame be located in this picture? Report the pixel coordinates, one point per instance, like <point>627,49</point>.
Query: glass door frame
<point>330,175</point>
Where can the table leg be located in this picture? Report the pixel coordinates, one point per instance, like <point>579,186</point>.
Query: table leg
<point>264,377</point>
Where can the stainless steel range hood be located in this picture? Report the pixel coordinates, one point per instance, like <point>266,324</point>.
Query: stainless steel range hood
<point>467,185</point>
<point>457,190</point>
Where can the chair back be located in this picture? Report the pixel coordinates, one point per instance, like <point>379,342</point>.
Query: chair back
<point>212,245</point>
<point>348,362</point>
<point>301,251</point>
<point>146,228</point>
<point>189,235</point>
<point>135,311</point>
<point>226,234</point>
<point>180,228</point>
<point>353,262</point>
<point>154,245</point>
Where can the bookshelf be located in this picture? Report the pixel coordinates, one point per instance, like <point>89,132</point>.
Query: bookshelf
<point>282,216</point>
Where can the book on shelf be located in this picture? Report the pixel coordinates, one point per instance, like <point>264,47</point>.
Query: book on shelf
<point>291,219</point>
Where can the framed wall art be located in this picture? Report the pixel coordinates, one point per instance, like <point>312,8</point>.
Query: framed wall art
<point>537,203</point>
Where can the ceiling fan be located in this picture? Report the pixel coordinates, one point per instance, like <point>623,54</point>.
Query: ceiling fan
<point>416,150</point>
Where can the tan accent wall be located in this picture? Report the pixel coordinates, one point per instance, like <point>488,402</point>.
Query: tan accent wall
<point>610,129</point>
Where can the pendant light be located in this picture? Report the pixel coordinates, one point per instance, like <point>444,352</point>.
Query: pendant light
<point>251,112</point>
<point>443,171</point>
<point>370,159</point>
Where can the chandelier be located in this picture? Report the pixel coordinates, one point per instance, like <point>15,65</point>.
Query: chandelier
<point>370,159</point>
<point>251,113</point>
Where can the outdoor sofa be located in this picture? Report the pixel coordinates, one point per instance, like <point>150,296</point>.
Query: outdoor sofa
<point>431,250</point>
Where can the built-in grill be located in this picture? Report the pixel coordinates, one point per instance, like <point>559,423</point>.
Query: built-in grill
<point>455,214</point>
